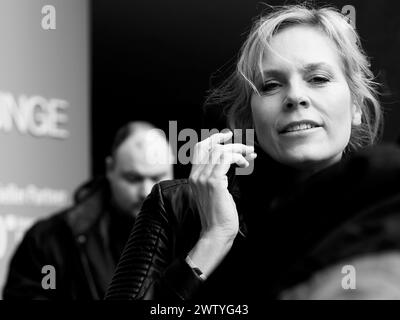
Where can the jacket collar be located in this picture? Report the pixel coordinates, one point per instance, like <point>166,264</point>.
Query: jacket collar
<point>89,208</point>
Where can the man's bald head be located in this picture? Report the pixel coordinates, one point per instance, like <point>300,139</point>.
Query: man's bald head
<point>132,170</point>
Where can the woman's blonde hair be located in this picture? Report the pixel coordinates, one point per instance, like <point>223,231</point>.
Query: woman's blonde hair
<point>234,94</point>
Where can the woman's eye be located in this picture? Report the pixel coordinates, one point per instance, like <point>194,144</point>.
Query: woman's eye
<point>319,80</point>
<point>269,86</point>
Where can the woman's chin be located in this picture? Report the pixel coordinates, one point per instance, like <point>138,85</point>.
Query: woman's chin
<point>308,159</point>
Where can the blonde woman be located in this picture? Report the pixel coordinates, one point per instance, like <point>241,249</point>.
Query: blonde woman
<point>319,193</point>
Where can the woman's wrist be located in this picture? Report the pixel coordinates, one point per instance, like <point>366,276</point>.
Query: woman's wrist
<point>208,253</point>
<point>220,235</point>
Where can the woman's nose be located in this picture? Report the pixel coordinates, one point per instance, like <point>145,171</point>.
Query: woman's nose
<point>296,97</point>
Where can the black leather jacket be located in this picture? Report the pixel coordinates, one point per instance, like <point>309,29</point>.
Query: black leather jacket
<point>289,230</point>
<point>83,243</point>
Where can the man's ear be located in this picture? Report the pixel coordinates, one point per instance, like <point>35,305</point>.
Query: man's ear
<point>109,165</point>
<point>356,117</point>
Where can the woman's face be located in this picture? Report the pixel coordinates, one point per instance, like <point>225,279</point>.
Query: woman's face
<point>304,112</point>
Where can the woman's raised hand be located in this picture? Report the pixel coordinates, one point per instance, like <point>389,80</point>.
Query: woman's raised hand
<point>218,215</point>
<point>208,180</point>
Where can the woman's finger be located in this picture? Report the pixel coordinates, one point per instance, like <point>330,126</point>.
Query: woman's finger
<point>237,148</point>
<point>220,137</point>
<point>227,159</point>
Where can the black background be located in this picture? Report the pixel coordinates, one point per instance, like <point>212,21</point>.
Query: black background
<point>152,60</point>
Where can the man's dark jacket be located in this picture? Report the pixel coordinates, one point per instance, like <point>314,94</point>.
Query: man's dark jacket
<point>288,230</point>
<point>82,243</point>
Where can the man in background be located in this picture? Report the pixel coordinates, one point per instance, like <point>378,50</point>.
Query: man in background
<point>80,246</point>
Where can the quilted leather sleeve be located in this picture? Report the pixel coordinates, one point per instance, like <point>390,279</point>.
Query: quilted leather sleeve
<point>149,268</point>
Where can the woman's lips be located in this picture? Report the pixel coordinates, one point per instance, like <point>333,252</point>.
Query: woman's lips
<point>299,126</point>
<point>300,132</point>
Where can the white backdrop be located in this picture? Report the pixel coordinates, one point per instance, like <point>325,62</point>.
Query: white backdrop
<point>44,112</point>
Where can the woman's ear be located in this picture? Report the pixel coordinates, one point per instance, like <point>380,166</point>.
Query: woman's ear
<point>356,115</point>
